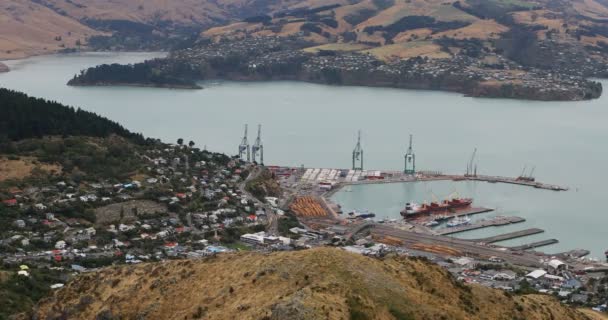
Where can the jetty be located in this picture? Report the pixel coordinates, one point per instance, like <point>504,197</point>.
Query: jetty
<point>517,181</point>
<point>535,244</point>
<point>510,235</point>
<point>493,222</point>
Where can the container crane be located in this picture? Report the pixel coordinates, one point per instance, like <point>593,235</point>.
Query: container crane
<point>410,160</point>
<point>472,168</point>
<point>358,154</point>
<point>258,147</point>
<point>244,148</point>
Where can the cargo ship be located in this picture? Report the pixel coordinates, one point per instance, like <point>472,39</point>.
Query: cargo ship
<point>414,210</point>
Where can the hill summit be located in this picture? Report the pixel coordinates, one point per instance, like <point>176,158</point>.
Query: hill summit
<point>322,283</point>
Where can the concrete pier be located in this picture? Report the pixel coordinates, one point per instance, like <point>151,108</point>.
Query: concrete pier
<point>535,244</point>
<point>510,235</point>
<point>493,222</point>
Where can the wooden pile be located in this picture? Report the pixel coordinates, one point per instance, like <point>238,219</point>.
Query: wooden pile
<point>433,248</point>
<point>307,207</point>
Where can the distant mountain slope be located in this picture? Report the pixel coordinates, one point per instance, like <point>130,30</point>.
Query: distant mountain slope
<point>31,27</point>
<point>387,22</point>
<point>320,283</point>
<point>42,26</point>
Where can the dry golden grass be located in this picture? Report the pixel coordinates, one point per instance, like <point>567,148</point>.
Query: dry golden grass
<point>322,283</point>
<point>337,47</point>
<point>409,50</point>
<point>593,315</point>
<point>416,34</point>
<point>23,168</point>
<point>480,29</point>
<point>29,29</point>
<point>591,8</point>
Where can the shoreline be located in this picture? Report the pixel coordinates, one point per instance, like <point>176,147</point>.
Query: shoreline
<point>139,85</point>
<point>474,94</point>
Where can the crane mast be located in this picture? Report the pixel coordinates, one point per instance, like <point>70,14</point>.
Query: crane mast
<point>258,147</point>
<point>358,154</point>
<point>410,160</point>
<point>472,168</point>
<point>244,149</point>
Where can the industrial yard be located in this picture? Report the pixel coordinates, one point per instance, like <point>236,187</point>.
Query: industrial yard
<point>428,229</point>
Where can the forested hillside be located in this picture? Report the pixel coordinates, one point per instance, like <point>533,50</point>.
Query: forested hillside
<point>26,117</point>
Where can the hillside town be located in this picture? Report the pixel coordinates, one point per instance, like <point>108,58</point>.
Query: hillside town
<point>475,72</point>
<point>190,204</point>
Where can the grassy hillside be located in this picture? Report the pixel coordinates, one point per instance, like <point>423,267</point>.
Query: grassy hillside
<point>32,27</point>
<point>320,283</point>
<point>382,23</point>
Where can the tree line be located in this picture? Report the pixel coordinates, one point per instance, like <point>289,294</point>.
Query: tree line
<point>27,117</point>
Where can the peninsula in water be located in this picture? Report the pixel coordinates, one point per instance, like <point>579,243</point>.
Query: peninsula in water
<point>279,58</point>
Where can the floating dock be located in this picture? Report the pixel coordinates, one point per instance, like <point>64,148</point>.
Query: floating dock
<point>493,222</point>
<point>533,245</point>
<point>449,214</point>
<point>510,235</point>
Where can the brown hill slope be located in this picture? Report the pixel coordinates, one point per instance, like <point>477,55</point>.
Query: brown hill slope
<point>411,24</point>
<point>31,27</point>
<point>319,283</point>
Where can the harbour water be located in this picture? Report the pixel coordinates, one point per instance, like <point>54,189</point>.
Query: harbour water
<point>316,125</point>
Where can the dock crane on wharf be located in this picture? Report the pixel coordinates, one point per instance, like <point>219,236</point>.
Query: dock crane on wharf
<point>527,177</point>
<point>471,166</point>
<point>358,154</point>
<point>410,160</point>
<point>244,148</point>
<point>258,147</point>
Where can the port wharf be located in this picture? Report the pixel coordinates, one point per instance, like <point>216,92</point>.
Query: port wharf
<point>323,183</point>
<point>493,222</point>
<point>537,244</point>
<point>332,180</point>
<point>510,235</point>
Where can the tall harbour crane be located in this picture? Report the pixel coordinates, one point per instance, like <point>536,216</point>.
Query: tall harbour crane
<point>471,166</point>
<point>410,160</point>
<point>358,154</point>
<point>258,147</point>
<point>244,149</point>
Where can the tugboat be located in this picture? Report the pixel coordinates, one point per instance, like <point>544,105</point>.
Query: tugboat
<point>363,215</point>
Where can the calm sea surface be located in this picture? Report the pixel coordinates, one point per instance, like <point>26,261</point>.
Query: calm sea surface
<point>316,125</point>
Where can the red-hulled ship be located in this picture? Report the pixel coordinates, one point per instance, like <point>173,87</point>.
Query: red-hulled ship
<point>414,210</point>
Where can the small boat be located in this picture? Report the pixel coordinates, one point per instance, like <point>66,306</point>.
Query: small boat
<point>361,214</point>
<point>348,189</point>
<point>431,223</point>
<point>459,221</point>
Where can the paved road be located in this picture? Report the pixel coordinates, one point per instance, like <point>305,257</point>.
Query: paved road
<point>273,219</point>
<point>410,238</point>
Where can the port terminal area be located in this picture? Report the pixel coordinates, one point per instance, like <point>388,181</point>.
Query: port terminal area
<point>309,191</point>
